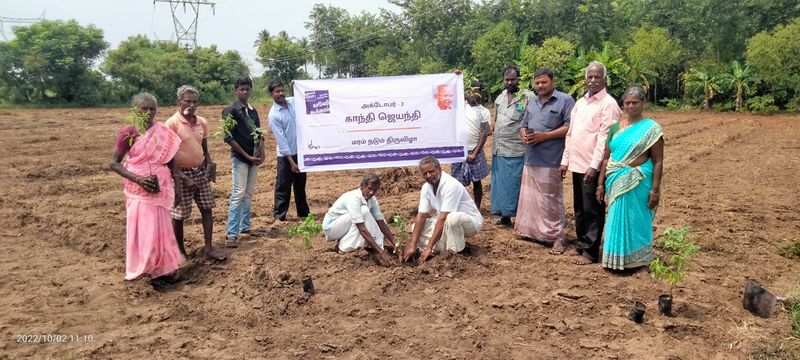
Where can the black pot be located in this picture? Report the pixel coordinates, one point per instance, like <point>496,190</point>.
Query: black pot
<point>157,187</point>
<point>637,312</point>
<point>308,285</point>
<point>665,304</point>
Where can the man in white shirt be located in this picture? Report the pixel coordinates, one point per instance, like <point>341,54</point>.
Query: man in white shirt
<point>456,217</point>
<point>355,219</point>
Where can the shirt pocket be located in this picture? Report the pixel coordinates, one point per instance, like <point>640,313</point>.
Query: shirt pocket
<point>515,114</point>
<point>552,119</point>
<point>593,125</point>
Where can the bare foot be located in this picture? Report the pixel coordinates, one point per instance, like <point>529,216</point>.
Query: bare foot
<point>214,254</point>
<point>558,248</point>
<point>583,260</point>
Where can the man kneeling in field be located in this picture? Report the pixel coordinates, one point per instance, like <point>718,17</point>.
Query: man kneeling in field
<point>456,217</point>
<point>356,221</point>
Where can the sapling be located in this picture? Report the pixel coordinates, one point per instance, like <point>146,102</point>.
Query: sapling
<point>228,123</point>
<point>307,229</point>
<point>401,237</point>
<point>141,122</point>
<point>676,252</point>
<point>258,134</point>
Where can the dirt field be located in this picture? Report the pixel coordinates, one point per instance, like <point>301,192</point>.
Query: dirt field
<point>731,178</point>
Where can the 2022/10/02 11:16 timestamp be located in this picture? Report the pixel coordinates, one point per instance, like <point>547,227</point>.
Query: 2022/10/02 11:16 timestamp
<point>53,338</point>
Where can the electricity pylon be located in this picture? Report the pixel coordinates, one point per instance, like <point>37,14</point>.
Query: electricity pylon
<point>186,35</point>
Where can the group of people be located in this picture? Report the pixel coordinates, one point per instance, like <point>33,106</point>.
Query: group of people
<point>615,161</point>
<point>166,167</point>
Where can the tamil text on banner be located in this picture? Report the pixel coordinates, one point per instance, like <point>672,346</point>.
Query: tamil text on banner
<point>379,122</point>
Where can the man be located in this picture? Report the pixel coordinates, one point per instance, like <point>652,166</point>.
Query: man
<point>475,168</point>
<point>282,123</point>
<point>356,221</point>
<point>456,216</point>
<point>244,161</point>
<point>591,118</point>
<point>195,169</point>
<point>508,150</point>
<point>541,214</point>
<point>444,97</point>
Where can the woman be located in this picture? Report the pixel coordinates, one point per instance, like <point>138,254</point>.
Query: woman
<point>631,173</point>
<point>150,246</point>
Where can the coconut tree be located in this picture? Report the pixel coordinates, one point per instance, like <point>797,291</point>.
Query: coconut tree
<point>697,80</point>
<point>262,37</point>
<point>739,79</point>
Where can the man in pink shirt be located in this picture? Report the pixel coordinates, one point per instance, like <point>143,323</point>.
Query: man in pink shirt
<point>591,118</point>
<point>195,169</point>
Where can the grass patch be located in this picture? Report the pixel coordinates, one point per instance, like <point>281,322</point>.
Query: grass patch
<point>791,250</point>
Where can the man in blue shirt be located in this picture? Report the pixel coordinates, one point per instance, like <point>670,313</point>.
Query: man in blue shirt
<point>282,123</point>
<point>540,213</point>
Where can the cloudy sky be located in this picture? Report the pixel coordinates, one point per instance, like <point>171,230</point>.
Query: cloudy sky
<point>232,26</point>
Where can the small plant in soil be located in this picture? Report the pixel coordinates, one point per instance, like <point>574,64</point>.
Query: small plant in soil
<point>670,265</point>
<point>141,122</point>
<point>306,229</point>
<point>791,250</point>
<point>401,236</point>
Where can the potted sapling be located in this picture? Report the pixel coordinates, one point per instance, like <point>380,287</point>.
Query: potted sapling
<point>258,135</point>
<point>670,265</point>
<point>306,229</point>
<point>401,237</point>
<point>141,122</point>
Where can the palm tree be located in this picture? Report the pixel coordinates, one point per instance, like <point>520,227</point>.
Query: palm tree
<point>739,79</point>
<point>702,80</point>
<point>263,37</point>
<point>306,46</point>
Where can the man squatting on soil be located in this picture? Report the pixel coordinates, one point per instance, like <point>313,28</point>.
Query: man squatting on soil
<point>195,169</point>
<point>356,221</point>
<point>456,215</point>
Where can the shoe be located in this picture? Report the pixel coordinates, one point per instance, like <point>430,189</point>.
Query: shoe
<point>232,242</point>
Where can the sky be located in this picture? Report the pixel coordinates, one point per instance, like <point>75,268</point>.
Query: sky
<point>233,25</point>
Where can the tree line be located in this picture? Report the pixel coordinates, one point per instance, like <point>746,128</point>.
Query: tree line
<point>712,54</point>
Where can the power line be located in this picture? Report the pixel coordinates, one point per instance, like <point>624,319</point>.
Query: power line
<point>11,20</point>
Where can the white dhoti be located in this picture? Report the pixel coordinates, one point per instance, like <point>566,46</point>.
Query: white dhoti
<point>457,226</point>
<point>350,239</point>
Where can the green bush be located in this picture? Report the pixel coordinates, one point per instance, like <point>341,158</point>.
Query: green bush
<point>762,104</point>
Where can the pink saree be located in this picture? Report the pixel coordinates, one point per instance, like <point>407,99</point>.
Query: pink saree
<point>150,246</point>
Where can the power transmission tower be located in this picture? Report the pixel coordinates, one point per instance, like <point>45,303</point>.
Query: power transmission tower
<point>186,35</point>
<point>8,20</point>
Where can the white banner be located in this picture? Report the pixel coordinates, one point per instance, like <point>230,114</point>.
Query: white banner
<point>379,122</point>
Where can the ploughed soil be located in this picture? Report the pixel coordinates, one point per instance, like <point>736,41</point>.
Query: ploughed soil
<point>732,178</point>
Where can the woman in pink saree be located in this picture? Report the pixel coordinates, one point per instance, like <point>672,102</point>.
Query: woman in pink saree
<point>150,247</point>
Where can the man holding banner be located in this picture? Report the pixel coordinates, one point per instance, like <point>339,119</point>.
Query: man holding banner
<point>456,216</point>
<point>283,125</point>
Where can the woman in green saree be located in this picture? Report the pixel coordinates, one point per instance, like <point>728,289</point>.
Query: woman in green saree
<point>631,174</point>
